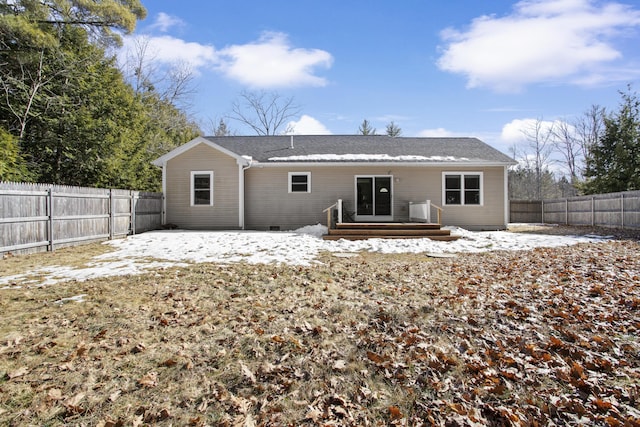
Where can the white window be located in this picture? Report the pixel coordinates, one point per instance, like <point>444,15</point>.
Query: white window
<point>201,188</point>
<point>299,182</point>
<point>462,188</point>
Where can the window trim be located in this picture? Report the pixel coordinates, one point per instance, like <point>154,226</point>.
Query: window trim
<point>462,189</point>
<point>290,180</point>
<point>193,189</point>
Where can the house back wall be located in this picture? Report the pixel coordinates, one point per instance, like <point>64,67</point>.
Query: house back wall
<point>269,203</point>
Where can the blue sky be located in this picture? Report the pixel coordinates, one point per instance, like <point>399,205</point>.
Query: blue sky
<point>436,68</point>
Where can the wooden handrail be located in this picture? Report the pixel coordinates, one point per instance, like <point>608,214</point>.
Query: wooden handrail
<point>439,209</point>
<point>330,207</point>
<point>337,205</point>
<point>328,211</point>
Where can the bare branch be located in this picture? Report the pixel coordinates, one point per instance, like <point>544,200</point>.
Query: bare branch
<point>172,84</point>
<point>539,138</point>
<point>264,112</point>
<point>567,144</point>
<point>590,128</point>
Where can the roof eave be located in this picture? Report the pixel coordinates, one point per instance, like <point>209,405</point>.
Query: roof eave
<point>162,160</point>
<point>385,164</point>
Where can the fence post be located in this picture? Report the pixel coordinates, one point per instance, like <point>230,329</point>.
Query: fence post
<point>111,221</point>
<point>566,211</point>
<point>50,220</point>
<point>622,210</point>
<point>134,197</point>
<point>542,211</point>
<point>593,211</point>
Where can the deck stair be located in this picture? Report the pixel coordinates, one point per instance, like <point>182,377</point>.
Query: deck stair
<point>388,230</point>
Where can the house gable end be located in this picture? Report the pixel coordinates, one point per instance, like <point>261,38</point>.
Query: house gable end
<point>241,160</point>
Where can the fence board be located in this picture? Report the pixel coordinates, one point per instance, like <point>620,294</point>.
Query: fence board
<point>37,217</point>
<point>618,210</point>
<point>527,211</point>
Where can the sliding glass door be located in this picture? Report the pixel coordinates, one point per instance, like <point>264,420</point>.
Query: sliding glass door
<point>374,198</point>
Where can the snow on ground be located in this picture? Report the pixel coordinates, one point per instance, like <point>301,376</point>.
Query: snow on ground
<point>160,249</point>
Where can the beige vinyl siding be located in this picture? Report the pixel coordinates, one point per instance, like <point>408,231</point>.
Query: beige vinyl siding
<point>269,204</point>
<point>224,214</point>
<point>491,215</point>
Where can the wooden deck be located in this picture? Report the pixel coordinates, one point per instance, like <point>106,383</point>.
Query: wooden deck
<point>388,230</point>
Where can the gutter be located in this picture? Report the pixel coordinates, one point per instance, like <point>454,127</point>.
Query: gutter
<point>473,164</point>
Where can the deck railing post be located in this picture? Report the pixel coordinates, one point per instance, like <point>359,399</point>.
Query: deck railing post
<point>339,221</point>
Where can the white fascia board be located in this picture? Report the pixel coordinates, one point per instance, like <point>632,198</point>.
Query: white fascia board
<point>381,164</point>
<point>194,142</point>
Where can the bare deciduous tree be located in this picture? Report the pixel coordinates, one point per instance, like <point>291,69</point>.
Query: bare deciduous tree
<point>537,156</point>
<point>22,89</point>
<point>590,128</point>
<point>573,141</point>
<point>264,112</point>
<point>567,143</point>
<point>173,84</point>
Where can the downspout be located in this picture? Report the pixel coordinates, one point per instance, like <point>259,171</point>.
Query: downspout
<point>241,169</point>
<point>164,193</point>
<point>507,209</point>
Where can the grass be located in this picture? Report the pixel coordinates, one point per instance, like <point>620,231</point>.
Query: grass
<point>505,338</point>
<point>75,256</point>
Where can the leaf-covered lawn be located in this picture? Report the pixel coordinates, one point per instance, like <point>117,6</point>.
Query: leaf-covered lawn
<point>543,337</point>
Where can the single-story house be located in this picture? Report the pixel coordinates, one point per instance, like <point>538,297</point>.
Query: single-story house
<point>286,182</point>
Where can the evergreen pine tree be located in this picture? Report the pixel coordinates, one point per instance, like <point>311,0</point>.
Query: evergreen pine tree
<point>613,163</point>
<point>393,129</point>
<point>366,129</point>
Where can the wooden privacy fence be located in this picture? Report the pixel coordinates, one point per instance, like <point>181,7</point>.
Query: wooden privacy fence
<point>526,211</point>
<point>620,210</point>
<point>38,217</point>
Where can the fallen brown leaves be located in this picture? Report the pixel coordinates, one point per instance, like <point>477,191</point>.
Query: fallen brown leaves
<point>532,338</point>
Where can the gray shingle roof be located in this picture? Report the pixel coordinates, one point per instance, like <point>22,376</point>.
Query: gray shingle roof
<point>361,148</point>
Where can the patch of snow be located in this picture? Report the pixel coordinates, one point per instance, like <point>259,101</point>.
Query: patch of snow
<point>169,248</point>
<point>77,298</point>
<point>367,157</point>
<point>317,230</point>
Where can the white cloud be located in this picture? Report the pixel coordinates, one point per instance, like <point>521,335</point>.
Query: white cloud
<point>307,125</point>
<point>513,132</point>
<point>164,22</point>
<point>520,130</point>
<point>439,132</point>
<point>541,41</point>
<point>272,62</point>
<point>171,50</point>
